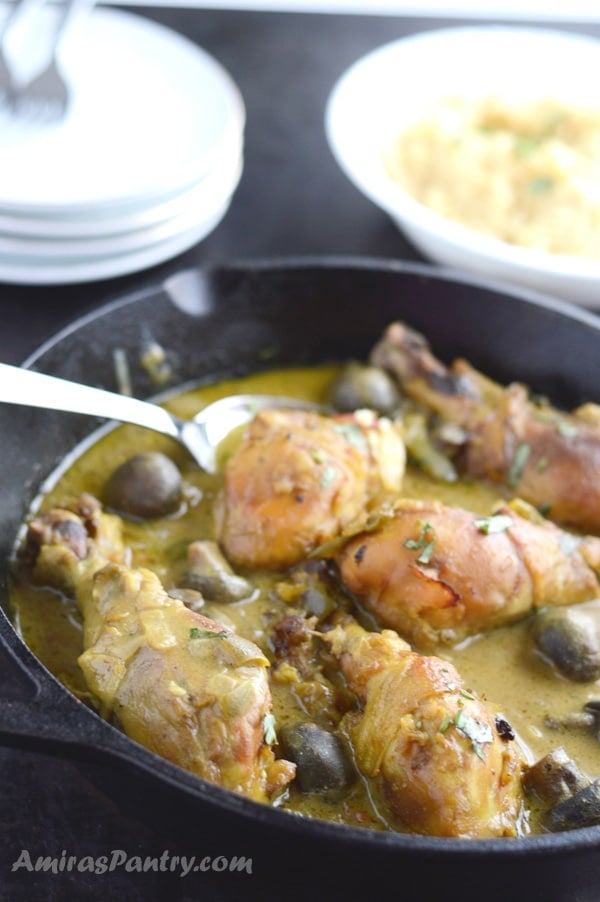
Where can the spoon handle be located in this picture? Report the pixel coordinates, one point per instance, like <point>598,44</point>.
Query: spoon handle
<point>33,389</point>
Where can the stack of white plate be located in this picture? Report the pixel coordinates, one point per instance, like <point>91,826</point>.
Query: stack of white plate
<point>142,167</point>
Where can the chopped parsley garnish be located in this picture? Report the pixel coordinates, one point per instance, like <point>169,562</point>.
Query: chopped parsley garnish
<point>569,542</point>
<point>525,145</point>
<point>425,543</point>
<point>269,729</point>
<point>479,733</point>
<point>520,458</point>
<point>567,430</point>
<point>490,525</point>
<point>329,473</point>
<point>196,633</point>
<point>545,416</point>
<point>328,477</point>
<point>352,433</point>
<point>425,555</point>
<point>445,723</point>
<point>541,184</point>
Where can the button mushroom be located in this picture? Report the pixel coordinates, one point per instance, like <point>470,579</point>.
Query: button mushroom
<point>570,639</point>
<point>360,386</point>
<point>318,603</point>
<point>554,778</point>
<point>209,573</point>
<point>322,761</point>
<point>581,810</point>
<point>145,487</point>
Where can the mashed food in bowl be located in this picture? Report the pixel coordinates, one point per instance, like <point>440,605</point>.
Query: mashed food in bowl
<point>527,174</point>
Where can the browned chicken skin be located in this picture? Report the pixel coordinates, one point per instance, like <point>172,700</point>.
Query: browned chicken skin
<point>179,683</point>
<point>549,458</point>
<point>438,573</point>
<point>434,749</point>
<point>299,479</point>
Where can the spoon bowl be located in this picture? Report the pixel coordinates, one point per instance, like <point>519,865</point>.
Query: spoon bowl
<point>200,436</point>
<point>203,434</point>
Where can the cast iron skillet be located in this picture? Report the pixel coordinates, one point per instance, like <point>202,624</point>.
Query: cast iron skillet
<point>223,320</point>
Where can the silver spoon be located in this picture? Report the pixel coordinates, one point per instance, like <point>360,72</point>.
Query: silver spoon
<point>200,436</point>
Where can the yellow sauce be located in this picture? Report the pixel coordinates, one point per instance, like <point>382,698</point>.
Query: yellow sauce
<point>500,665</point>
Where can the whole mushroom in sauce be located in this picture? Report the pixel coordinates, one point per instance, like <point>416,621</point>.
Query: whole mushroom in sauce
<point>210,573</point>
<point>554,778</point>
<point>360,385</point>
<point>145,486</point>
<point>321,757</point>
<point>570,639</point>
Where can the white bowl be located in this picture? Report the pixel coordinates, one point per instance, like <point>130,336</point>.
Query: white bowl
<point>389,87</point>
<point>151,114</point>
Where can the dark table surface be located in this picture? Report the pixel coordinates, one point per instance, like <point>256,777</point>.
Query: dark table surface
<point>292,200</point>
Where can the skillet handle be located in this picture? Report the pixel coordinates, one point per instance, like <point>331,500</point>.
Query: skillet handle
<point>37,713</point>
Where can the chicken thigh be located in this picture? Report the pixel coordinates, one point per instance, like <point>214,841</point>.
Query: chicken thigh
<point>300,479</point>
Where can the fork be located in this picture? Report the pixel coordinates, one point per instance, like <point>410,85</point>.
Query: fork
<point>21,10</point>
<point>6,83</point>
<point>46,97</point>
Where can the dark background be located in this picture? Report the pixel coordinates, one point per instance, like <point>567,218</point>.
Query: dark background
<point>292,200</point>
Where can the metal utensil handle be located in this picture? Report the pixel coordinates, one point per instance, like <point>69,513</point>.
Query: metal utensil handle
<point>70,11</point>
<point>22,9</point>
<point>33,389</point>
